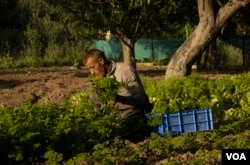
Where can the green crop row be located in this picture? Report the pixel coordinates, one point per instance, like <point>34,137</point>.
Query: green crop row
<point>73,133</point>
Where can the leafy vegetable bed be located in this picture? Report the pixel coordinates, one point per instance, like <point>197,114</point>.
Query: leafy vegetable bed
<point>73,133</point>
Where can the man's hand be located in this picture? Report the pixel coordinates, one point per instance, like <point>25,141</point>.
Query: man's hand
<point>119,98</point>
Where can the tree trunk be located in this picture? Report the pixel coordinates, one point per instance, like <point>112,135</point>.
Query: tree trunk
<point>128,52</point>
<point>209,26</point>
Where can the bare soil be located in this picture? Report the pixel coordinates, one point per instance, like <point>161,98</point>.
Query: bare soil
<point>56,83</point>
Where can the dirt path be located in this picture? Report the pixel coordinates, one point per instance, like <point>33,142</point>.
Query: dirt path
<point>52,85</point>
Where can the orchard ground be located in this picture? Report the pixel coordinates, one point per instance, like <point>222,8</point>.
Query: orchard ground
<point>54,84</point>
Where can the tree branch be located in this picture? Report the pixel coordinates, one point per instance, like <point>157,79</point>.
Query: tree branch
<point>228,10</point>
<point>136,28</point>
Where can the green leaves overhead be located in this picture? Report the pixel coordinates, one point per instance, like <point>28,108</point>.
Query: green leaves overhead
<point>132,18</point>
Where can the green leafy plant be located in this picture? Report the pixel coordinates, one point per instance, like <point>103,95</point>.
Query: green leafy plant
<point>106,87</point>
<point>73,133</point>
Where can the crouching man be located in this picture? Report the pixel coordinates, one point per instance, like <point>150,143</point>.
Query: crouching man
<point>132,101</point>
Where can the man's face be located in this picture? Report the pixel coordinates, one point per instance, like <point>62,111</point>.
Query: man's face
<point>96,67</point>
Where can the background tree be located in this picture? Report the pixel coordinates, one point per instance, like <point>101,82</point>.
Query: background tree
<point>239,27</point>
<point>13,20</point>
<point>33,34</point>
<point>128,20</point>
<point>51,29</point>
<point>208,28</point>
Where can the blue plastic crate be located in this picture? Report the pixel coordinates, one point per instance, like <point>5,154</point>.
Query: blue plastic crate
<point>184,121</point>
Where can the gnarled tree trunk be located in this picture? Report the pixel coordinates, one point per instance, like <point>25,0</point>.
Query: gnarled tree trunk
<point>209,26</point>
<point>128,52</point>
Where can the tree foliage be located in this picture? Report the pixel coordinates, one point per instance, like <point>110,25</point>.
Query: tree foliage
<point>128,20</point>
<point>29,27</point>
<point>131,18</point>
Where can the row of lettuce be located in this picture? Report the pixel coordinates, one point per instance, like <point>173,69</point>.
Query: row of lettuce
<point>73,133</point>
